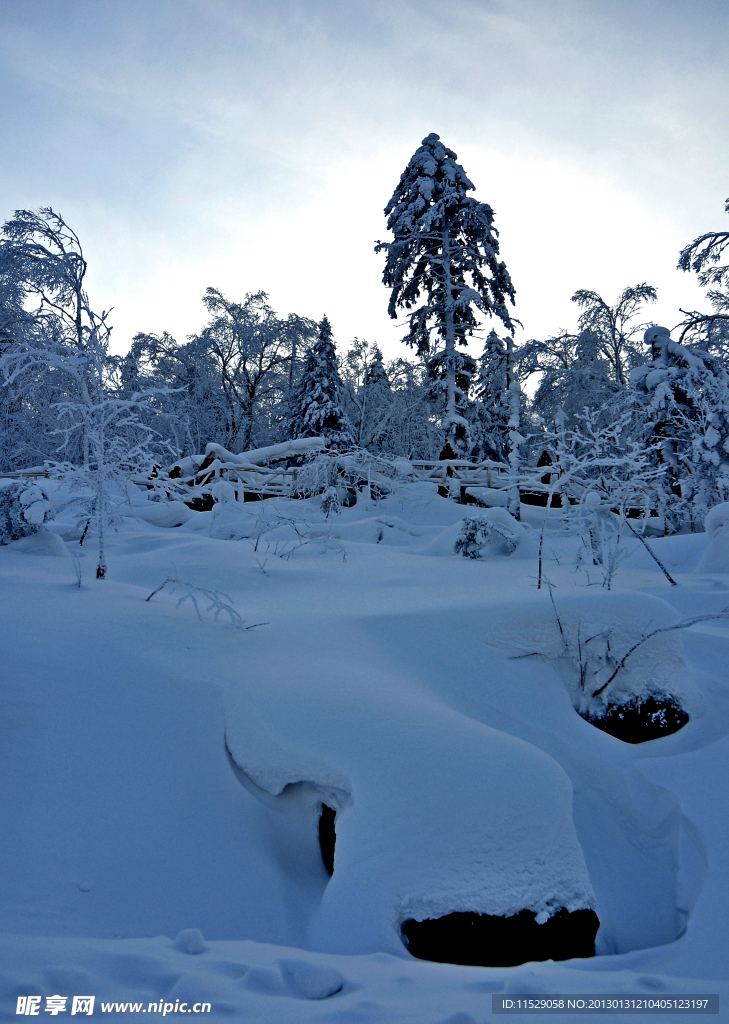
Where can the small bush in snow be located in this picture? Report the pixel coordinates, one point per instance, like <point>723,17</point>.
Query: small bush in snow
<point>24,508</point>
<point>330,504</point>
<point>494,526</point>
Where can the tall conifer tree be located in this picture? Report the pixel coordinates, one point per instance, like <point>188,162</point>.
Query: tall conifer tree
<point>316,405</point>
<point>445,250</point>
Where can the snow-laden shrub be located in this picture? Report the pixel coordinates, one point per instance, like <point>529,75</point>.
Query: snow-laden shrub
<point>24,508</point>
<point>330,504</point>
<point>495,525</point>
<point>350,471</point>
<point>619,655</point>
<point>681,401</point>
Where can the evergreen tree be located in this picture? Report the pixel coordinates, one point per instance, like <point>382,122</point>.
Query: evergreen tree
<point>445,249</point>
<point>681,399</point>
<point>376,374</point>
<point>491,426</point>
<point>437,367</point>
<point>316,404</point>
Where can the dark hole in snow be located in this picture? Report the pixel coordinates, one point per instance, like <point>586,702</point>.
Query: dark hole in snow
<point>640,721</point>
<point>327,836</point>
<point>540,498</point>
<point>480,940</point>
<point>254,496</point>
<point>202,503</point>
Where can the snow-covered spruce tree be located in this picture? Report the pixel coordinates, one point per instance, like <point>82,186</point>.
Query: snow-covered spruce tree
<point>316,403</point>
<point>491,424</point>
<point>681,399</point>
<point>443,264</point>
<point>70,344</point>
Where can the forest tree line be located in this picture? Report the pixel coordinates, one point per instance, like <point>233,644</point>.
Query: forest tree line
<point>616,384</point>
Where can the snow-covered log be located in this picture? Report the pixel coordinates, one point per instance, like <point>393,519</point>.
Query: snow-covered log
<point>216,456</point>
<point>272,453</point>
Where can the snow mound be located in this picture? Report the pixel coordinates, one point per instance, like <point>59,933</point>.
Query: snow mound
<point>716,556</point>
<point>267,761</point>
<point>42,543</point>
<point>716,519</point>
<point>390,530</point>
<point>311,981</point>
<point>190,940</point>
<point>167,513</point>
<point>445,814</point>
<point>600,644</point>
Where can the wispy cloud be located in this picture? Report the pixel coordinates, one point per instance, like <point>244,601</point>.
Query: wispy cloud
<point>254,144</point>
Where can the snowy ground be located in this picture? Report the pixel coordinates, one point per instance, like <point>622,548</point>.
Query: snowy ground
<point>162,773</point>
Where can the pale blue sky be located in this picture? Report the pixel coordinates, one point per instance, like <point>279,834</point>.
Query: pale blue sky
<point>251,145</point>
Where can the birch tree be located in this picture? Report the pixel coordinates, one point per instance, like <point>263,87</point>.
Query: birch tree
<point>615,326</point>
<point>70,341</point>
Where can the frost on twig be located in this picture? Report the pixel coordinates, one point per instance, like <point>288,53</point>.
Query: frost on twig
<point>219,603</point>
<point>684,624</point>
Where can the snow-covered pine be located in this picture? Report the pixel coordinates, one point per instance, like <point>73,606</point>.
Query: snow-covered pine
<point>681,400</point>
<point>445,248</point>
<point>704,256</point>
<point>492,409</point>
<point>316,401</point>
